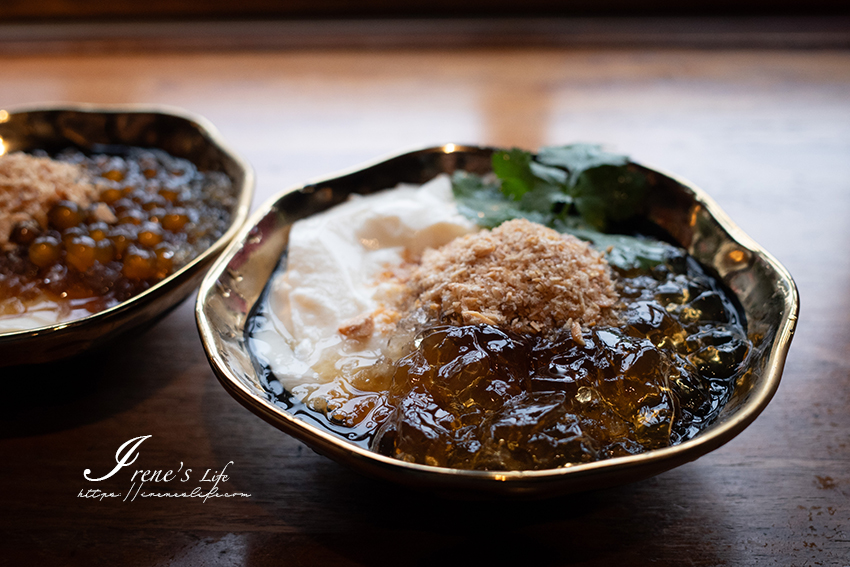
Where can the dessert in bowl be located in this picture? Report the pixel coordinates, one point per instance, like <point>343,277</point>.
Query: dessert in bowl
<point>481,382</point>
<point>110,216</point>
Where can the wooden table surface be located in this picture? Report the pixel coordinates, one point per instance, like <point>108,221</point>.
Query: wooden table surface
<point>765,132</point>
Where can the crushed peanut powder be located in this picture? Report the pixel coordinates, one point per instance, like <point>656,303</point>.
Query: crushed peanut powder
<point>521,275</point>
<point>30,186</point>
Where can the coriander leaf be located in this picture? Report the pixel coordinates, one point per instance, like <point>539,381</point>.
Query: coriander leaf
<point>546,200</point>
<point>577,158</point>
<point>465,184</point>
<point>513,168</point>
<point>632,253</point>
<point>609,193</point>
<point>600,186</point>
<point>626,252</point>
<point>549,175</point>
<point>484,203</point>
<point>519,174</point>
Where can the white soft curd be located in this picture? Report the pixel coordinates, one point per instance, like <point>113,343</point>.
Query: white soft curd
<point>333,275</point>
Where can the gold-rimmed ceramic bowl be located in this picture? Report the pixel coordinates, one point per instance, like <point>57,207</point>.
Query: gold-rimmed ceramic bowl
<point>236,282</point>
<point>177,132</point>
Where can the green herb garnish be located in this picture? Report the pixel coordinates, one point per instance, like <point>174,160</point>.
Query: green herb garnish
<point>626,252</point>
<point>580,189</point>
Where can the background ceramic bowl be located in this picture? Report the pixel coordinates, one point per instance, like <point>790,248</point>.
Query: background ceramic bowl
<point>235,283</point>
<point>82,126</point>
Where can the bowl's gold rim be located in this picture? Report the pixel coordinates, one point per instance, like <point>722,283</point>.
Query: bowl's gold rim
<point>239,216</point>
<point>680,454</point>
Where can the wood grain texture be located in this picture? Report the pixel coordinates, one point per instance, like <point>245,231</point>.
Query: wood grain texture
<point>767,133</point>
<point>762,32</point>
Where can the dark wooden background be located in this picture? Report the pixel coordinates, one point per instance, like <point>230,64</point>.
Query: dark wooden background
<point>160,9</point>
<point>766,131</point>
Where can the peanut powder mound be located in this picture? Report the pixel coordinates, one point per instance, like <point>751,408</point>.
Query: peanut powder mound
<point>30,185</point>
<point>521,276</point>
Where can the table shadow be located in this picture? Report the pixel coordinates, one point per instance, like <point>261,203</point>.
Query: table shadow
<point>56,396</point>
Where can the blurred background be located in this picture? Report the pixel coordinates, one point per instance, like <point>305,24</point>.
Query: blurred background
<point>22,9</point>
<point>53,24</point>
